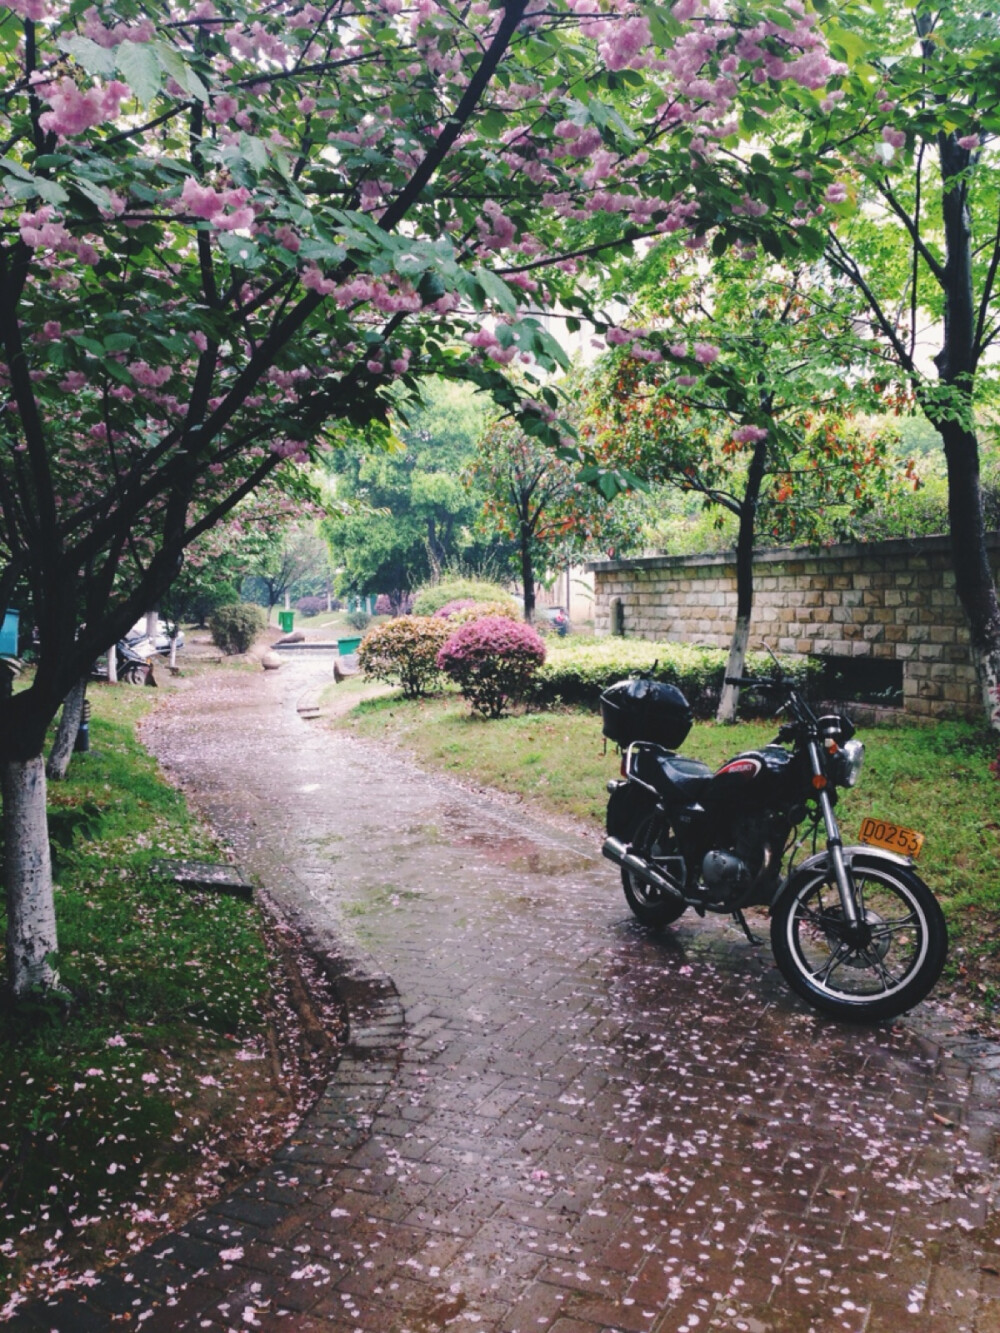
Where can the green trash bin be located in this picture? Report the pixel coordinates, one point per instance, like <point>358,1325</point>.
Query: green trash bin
<point>286,621</point>
<point>347,646</point>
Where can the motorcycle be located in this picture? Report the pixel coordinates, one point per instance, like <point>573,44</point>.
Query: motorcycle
<point>133,662</point>
<point>854,930</point>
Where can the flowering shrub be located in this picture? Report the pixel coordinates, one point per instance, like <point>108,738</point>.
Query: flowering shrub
<point>234,628</point>
<point>404,651</point>
<point>311,606</point>
<point>383,606</point>
<point>493,660</point>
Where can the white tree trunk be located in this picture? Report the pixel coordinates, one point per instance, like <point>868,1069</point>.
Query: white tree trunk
<point>172,659</point>
<point>152,624</point>
<point>988,671</point>
<point>113,664</point>
<point>66,733</point>
<point>730,696</point>
<point>31,913</point>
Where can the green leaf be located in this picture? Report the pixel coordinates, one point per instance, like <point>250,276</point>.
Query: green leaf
<point>254,152</point>
<point>180,71</point>
<point>94,59</point>
<point>94,193</point>
<point>496,290</point>
<point>139,66</point>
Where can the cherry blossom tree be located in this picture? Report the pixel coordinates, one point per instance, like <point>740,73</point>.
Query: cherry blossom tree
<point>226,231</point>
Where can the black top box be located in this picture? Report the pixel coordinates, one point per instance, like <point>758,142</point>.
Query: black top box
<point>645,710</point>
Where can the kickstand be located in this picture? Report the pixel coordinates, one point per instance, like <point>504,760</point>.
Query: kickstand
<point>754,939</point>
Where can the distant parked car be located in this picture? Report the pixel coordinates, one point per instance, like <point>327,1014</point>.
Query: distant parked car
<point>162,640</point>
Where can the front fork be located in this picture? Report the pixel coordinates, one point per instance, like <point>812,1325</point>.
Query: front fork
<point>835,844</point>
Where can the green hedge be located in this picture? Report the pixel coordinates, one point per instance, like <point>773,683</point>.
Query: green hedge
<point>576,672</point>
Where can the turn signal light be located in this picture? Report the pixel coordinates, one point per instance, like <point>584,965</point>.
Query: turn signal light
<point>819,781</point>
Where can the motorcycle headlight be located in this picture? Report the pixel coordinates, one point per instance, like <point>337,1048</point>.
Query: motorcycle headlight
<point>846,763</point>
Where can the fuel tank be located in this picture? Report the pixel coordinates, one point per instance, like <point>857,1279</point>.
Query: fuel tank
<point>757,777</point>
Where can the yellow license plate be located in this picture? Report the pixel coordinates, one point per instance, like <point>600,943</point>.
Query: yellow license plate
<point>893,837</point>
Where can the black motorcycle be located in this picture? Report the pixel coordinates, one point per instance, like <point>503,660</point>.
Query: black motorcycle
<point>854,930</point>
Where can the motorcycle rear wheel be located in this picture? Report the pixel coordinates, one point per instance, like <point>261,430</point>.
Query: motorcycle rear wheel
<point>654,841</point>
<point>885,974</point>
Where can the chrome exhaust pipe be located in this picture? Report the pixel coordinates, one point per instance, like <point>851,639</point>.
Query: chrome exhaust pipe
<point>615,850</point>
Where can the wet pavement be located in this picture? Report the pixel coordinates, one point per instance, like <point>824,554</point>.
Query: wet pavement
<point>548,1120</point>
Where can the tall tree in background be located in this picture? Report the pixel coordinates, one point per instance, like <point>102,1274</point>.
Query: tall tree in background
<point>740,388</point>
<point>408,511</point>
<point>537,499</point>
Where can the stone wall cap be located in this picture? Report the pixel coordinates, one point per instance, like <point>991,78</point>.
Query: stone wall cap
<point>776,554</point>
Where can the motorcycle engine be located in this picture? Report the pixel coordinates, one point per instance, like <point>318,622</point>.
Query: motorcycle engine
<point>751,858</point>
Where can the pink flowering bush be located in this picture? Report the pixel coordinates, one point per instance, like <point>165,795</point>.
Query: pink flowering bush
<point>404,652</point>
<point>493,660</point>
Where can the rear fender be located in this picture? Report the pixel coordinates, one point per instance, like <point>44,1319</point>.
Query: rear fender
<point>861,856</point>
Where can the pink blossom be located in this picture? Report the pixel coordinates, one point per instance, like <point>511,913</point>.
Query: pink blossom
<point>52,329</point>
<point>894,138</point>
<point>969,141</point>
<point>705,353</point>
<point>375,367</point>
<point>36,10</point>
<point>836,193</point>
<point>74,111</point>
<point>313,279</point>
<point>201,201</point>
<point>618,336</point>
<point>73,383</point>
<point>749,434</point>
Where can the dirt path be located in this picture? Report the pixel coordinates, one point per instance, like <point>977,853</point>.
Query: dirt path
<point>546,1119</point>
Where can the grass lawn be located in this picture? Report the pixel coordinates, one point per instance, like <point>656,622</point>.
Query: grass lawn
<point>932,778</point>
<point>130,1098</point>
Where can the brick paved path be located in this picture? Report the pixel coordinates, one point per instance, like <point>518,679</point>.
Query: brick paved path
<point>548,1120</point>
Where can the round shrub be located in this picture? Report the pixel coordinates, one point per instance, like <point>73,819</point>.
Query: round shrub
<point>235,627</point>
<point>404,651</point>
<point>433,596</point>
<point>311,606</point>
<point>493,660</point>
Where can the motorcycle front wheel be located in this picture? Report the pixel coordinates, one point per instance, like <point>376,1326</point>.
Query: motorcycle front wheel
<point>655,842</point>
<point>884,967</point>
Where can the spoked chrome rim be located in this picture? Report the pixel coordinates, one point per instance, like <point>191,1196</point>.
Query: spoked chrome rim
<point>870,963</point>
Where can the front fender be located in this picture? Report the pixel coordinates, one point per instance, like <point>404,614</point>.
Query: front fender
<point>860,856</point>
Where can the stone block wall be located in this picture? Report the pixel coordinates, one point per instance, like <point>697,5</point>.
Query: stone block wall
<point>883,600</point>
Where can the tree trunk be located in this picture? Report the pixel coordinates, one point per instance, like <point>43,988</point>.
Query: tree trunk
<point>172,659</point>
<point>974,583</point>
<point>956,365</point>
<point>527,577</point>
<point>66,733</point>
<point>113,664</point>
<point>31,916</point>
<point>730,697</point>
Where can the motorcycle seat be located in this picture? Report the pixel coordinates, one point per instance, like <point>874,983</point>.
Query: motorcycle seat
<point>672,775</point>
